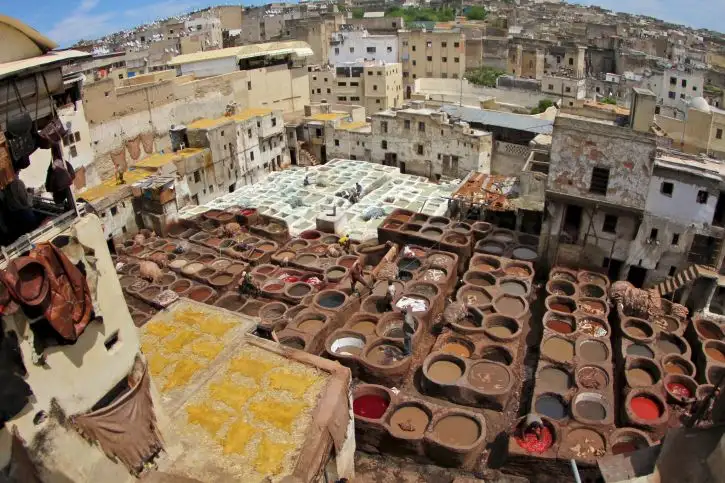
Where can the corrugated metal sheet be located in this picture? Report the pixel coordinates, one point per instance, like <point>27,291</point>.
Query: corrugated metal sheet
<point>508,120</point>
<point>301,49</point>
<point>53,57</point>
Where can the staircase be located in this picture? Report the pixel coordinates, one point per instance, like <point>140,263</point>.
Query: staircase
<point>682,278</point>
<point>305,158</point>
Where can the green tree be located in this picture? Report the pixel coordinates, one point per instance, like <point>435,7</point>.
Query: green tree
<point>608,100</point>
<point>358,12</point>
<point>476,13</point>
<point>484,76</point>
<point>415,14</point>
<point>544,104</point>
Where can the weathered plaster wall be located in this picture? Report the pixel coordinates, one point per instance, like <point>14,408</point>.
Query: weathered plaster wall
<point>578,146</point>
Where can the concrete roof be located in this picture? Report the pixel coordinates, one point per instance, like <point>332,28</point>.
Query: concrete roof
<point>520,122</point>
<point>299,48</point>
<point>33,63</point>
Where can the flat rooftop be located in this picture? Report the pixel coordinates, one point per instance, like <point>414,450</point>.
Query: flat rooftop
<point>519,122</point>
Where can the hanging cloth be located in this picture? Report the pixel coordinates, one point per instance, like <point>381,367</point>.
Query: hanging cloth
<point>147,140</point>
<point>126,429</point>
<point>54,131</point>
<point>19,128</point>
<point>7,172</point>
<point>134,147</point>
<point>118,158</point>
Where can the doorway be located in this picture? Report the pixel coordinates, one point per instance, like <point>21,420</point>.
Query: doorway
<point>613,268</point>
<point>572,222</point>
<point>637,276</point>
<point>402,167</point>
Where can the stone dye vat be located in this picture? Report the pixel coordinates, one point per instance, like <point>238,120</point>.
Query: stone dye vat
<point>399,424</point>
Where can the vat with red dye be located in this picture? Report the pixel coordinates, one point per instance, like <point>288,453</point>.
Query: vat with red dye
<point>530,443</point>
<point>370,406</point>
<point>645,408</point>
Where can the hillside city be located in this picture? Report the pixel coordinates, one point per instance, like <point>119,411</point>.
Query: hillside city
<point>364,241</point>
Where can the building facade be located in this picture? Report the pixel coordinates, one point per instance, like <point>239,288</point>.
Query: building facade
<point>356,45</point>
<point>437,53</point>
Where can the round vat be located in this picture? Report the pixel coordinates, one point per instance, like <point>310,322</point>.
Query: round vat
<point>346,344</point>
<point>553,378</point>
<point>591,350</point>
<point>592,291</point>
<point>560,287</point>
<point>330,299</point>
<point>584,443</point>
<point>594,307</point>
<point>525,253</point>
<point>484,263</point>
<point>591,407</point>
<point>517,269</point>
<point>479,279</point>
<point>501,328</point>
<point>564,305</point>
<point>491,377</point>
<point>585,277</point>
<point>370,402</point>
<point>491,247</point>
<point>200,293</point>
<point>293,342</point>
<point>513,286</point>
<point>298,290</point>
<point>708,330</point>
<point>551,405</point>
<point>458,347</point>
<point>639,350</point>
<point>474,296</point>
<point>559,322</point>
<point>592,326</point>
<point>558,349</point>
<point>627,440</point>
<point>642,372</point>
<point>497,353</point>
<point>457,430</point>
<point>592,377</point>
<point>670,344</point>
<point>385,354</point>
<point>638,330</point>
<point>677,365</point>
<point>410,421</point>
<point>445,369</point>
<point>680,389</point>
<point>714,351</point>
<point>502,236</point>
<point>510,305</point>
<point>645,406</point>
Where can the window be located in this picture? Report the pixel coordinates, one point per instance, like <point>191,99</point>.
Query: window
<point>380,72</point>
<point>318,132</point>
<point>551,87</point>
<point>197,177</point>
<point>337,51</point>
<point>456,60</point>
<point>653,234</point>
<point>610,224</point>
<point>456,44</point>
<point>673,270</point>
<point>667,188</point>
<point>354,84</point>
<point>370,50</point>
<point>684,83</point>
<point>342,84</point>
<point>718,133</point>
<point>673,81</point>
<point>597,89</point>
<point>414,63</point>
<point>405,75</point>
<point>657,109</point>
<point>405,42</point>
<point>455,76</point>
<point>421,126</point>
<point>702,195</point>
<point>320,91</point>
<point>389,49</point>
<point>444,59</point>
<point>429,58</point>
<point>384,144</point>
<point>571,60</point>
<point>444,75</point>
<point>406,124</point>
<point>682,96</point>
<point>413,48</point>
<point>342,98</point>
<point>377,101</point>
<point>375,88</point>
<point>384,126</point>
<point>671,95</point>
<point>600,181</point>
<point>337,142</point>
<point>73,151</point>
<point>567,89</point>
<point>444,44</point>
<point>251,155</point>
<point>354,98</point>
<point>274,121</point>
<point>428,44</point>
<point>120,76</point>
<point>694,88</point>
<point>352,50</point>
<point>420,149</point>
<point>249,85</point>
<point>675,239</point>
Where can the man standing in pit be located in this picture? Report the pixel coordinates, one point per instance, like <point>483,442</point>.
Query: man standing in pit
<point>356,274</point>
<point>408,331</point>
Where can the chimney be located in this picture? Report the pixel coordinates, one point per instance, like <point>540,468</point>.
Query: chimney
<point>642,113</point>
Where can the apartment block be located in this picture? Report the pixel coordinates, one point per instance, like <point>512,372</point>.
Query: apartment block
<point>435,53</point>
<point>674,87</point>
<point>375,85</point>
<point>698,129</point>
<point>526,61</point>
<point>568,89</point>
<point>356,45</point>
<point>428,143</point>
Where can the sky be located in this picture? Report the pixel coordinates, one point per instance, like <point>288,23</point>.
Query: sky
<point>67,21</point>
